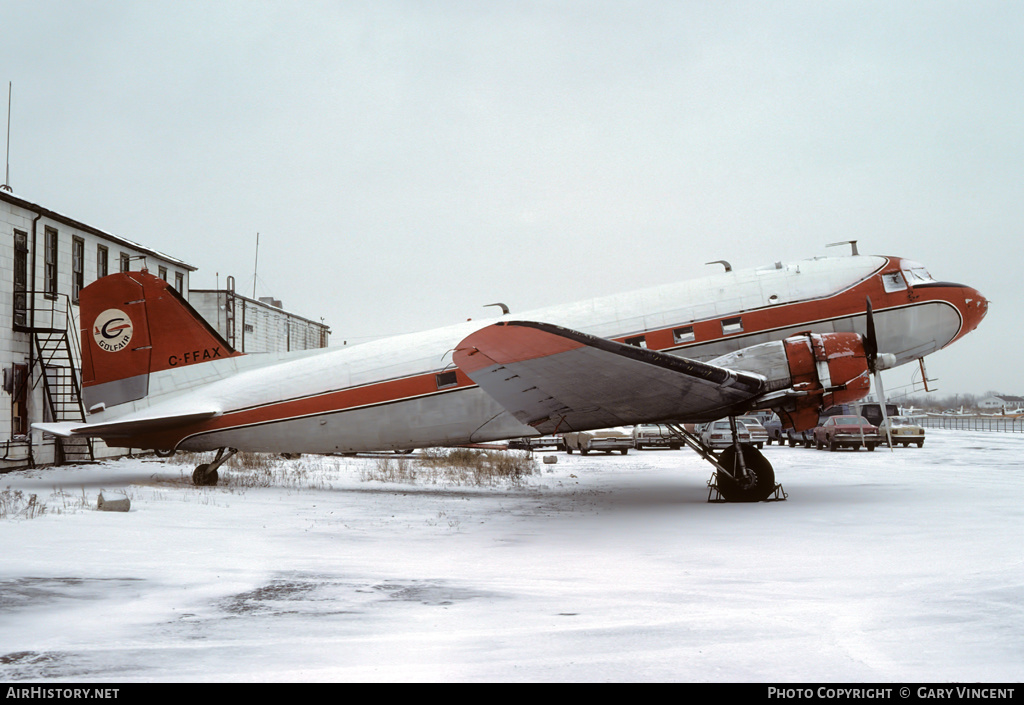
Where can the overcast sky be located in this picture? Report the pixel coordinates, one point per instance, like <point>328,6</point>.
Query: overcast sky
<point>405,163</point>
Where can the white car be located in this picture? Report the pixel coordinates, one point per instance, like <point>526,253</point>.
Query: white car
<point>758,433</point>
<point>903,431</point>
<point>605,440</point>
<point>652,435</point>
<point>718,434</point>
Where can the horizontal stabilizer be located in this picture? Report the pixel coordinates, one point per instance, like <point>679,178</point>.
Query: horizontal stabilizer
<point>556,379</point>
<point>125,427</point>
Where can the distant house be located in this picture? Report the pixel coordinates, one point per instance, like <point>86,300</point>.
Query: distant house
<point>47,259</point>
<point>1001,403</point>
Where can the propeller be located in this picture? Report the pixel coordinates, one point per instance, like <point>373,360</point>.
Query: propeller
<point>877,363</point>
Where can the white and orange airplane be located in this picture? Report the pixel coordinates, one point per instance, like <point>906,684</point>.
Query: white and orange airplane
<point>797,338</point>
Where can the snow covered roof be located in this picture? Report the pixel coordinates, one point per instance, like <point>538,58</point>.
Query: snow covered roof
<point>77,224</point>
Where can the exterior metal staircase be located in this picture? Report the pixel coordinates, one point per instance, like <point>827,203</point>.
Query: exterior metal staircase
<point>57,357</point>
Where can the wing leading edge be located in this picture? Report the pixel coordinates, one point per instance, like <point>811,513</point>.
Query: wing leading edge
<point>556,379</point>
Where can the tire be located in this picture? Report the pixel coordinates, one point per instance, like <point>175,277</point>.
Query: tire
<point>920,444</point>
<point>757,464</point>
<point>624,450</point>
<point>869,446</point>
<point>832,446</point>
<point>202,478</point>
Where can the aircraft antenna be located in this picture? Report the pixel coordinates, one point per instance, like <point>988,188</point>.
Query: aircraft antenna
<point>851,243</point>
<point>7,175</point>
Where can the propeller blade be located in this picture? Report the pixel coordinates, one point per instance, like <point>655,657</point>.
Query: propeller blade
<point>885,415</point>
<point>870,339</point>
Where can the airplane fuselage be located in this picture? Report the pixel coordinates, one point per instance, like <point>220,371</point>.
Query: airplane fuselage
<point>405,392</point>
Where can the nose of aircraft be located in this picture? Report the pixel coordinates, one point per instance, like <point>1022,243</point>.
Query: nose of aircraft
<point>974,306</point>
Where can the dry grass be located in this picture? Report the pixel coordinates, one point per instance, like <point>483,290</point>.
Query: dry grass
<point>458,466</point>
<point>455,466</point>
<point>15,504</point>
<point>243,470</point>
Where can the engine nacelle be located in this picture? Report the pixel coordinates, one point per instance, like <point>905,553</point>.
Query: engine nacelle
<point>831,367</point>
<point>826,369</point>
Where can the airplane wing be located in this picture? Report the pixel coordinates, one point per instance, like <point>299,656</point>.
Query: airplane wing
<point>558,380</point>
<point>125,427</point>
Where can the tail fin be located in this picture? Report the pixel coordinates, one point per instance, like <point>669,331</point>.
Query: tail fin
<point>134,324</point>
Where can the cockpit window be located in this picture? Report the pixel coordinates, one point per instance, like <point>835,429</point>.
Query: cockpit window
<point>915,273</point>
<point>893,282</point>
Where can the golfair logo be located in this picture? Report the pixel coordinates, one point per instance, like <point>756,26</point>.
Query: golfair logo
<point>112,330</point>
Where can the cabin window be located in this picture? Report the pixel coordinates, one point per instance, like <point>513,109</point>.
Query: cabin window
<point>637,341</point>
<point>446,379</point>
<point>683,335</point>
<point>732,325</point>
<point>50,267</point>
<point>101,261</point>
<point>893,282</point>
<point>77,267</point>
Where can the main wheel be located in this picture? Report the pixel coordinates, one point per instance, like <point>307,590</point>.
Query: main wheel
<point>757,487</point>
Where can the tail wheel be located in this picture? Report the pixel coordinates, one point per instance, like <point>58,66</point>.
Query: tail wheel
<point>757,487</point>
<point>204,477</point>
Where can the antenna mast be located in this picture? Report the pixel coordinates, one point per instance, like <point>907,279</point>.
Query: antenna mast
<point>255,266</point>
<point>7,176</point>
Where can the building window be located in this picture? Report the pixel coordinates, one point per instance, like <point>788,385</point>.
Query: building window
<point>446,379</point>
<point>50,268</point>
<point>19,400</point>
<point>126,262</point>
<point>683,335</point>
<point>101,261</point>
<point>638,341</point>
<point>162,272</point>
<point>77,267</point>
<point>732,325</point>
<point>179,282</point>
<point>20,278</point>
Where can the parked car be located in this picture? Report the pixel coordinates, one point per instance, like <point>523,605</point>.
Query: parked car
<point>846,431</point>
<point>902,430</point>
<point>605,440</point>
<point>758,433</point>
<point>718,434</point>
<point>776,433</point>
<point>652,435</point>
<point>800,438</point>
<point>535,443</point>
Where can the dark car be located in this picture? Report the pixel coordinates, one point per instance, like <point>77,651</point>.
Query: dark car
<point>846,431</point>
<point>781,435</point>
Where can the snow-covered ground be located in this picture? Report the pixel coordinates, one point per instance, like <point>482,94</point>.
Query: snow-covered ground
<point>885,566</point>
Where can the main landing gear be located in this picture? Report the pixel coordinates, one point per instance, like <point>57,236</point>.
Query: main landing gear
<point>206,474</point>
<point>742,473</point>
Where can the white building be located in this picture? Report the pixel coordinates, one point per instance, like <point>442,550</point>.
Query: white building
<point>1001,403</point>
<point>47,258</point>
<point>256,326</point>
